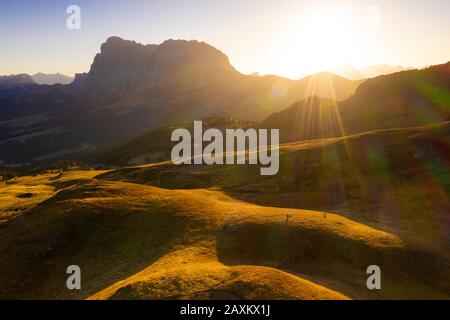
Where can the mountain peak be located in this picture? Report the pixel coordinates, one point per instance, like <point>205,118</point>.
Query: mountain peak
<point>115,42</point>
<point>120,66</point>
<point>190,49</point>
<point>124,65</point>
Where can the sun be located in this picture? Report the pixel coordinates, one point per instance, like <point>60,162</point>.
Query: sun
<point>320,40</point>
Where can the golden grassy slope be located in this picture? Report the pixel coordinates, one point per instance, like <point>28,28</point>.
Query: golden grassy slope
<point>137,241</point>
<point>396,180</point>
<point>22,193</point>
<point>195,273</point>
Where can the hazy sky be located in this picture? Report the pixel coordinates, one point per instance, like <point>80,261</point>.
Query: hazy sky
<point>286,37</point>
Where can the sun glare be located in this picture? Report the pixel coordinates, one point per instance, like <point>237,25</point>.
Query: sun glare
<point>320,40</point>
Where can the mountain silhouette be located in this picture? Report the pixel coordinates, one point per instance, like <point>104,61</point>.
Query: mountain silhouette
<point>15,81</point>
<point>405,99</point>
<point>370,71</point>
<point>50,79</point>
<point>124,67</point>
<point>132,88</point>
<point>15,85</point>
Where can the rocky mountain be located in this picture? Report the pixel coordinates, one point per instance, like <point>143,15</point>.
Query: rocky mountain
<point>50,79</point>
<point>123,67</point>
<point>132,88</point>
<point>120,67</point>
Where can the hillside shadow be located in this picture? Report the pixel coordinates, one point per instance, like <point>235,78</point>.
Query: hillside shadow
<point>339,263</point>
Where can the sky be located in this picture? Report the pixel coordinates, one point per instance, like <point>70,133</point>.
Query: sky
<point>290,38</point>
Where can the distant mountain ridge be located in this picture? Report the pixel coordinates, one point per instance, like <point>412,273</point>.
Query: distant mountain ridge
<point>15,85</point>
<point>15,80</point>
<point>370,71</point>
<point>21,79</point>
<point>51,79</point>
<point>400,100</point>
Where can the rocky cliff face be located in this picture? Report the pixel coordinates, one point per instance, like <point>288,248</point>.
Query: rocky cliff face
<point>124,66</point>
<point>120,67</point>
<point>188,63</point>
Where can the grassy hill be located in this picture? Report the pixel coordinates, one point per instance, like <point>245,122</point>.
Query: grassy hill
<point>211,242</point>
<point>394,177</point>
<point>225,232</point>
<point>400,100</point>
